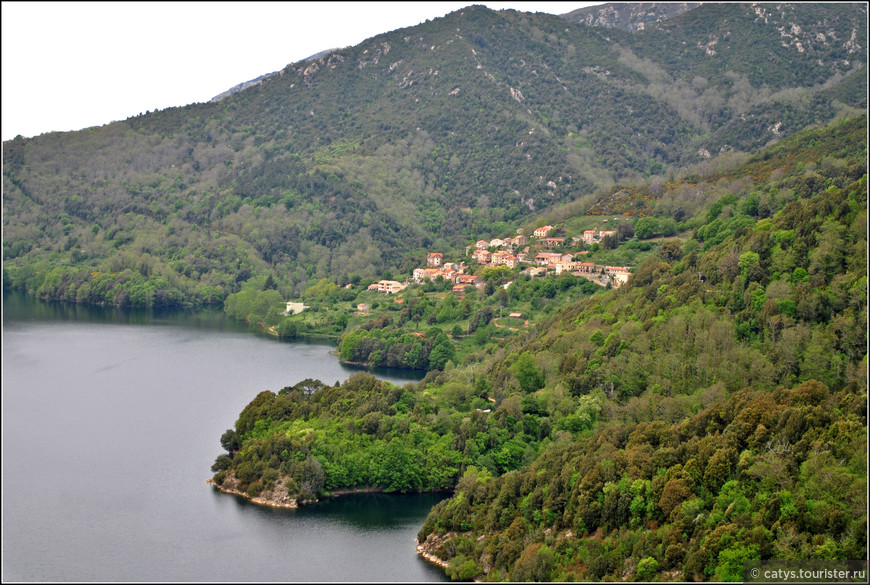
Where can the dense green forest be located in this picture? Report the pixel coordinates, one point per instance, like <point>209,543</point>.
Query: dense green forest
<point>711,411</point>
<point>360,161</point>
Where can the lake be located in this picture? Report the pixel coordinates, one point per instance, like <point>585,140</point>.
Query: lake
<point>111,421</point>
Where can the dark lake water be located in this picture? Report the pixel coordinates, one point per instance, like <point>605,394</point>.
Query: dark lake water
<point>111,421</point>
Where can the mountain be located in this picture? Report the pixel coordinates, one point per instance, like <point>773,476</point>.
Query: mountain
<point>359,161</point>
<point>630,16</point>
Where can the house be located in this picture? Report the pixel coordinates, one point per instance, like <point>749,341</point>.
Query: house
<point>468,280</point>
<point>549,258</point>
<point>294,308</point>
<point>482,256</point>
<point>619,274</point>
<point>604,233</point>
<point>566,267</point>
<point>588,237</point>
<point>516,315</point>
<point>553,242</point>
<point>585,267</point>
<point>511,261</point>
<point>498,258</point>
<point>434,259</point>
<point>620,278</point>
<point>497,243</point>
<point>390,286</point>
<point>363,308</point>
<point>481,245</point>
<point>542,231</point>
<point>421,274</point>
<point>446,275</point>
<point>520,240</point>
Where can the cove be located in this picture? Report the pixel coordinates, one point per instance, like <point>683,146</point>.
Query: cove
<point>111,421</point>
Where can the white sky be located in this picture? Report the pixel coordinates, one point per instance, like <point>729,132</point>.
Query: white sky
<point>72,65</point>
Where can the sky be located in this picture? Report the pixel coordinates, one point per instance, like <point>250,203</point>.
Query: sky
<point>73,65</point>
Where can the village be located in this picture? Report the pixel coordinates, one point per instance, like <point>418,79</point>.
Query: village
<point>512,252</point>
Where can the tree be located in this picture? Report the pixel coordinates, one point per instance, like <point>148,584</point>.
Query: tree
<point>230,441</point>
<point>527,373</point>
<point>535,564</point>
<point>398,467</point>
<point>647,569</point>
<point>670,250</point>
<point>646,227</point>
<point>442,352</point>
<point>625,230</point>
<point>609,242</point>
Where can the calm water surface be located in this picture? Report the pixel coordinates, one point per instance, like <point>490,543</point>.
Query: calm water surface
<point>111,421</point>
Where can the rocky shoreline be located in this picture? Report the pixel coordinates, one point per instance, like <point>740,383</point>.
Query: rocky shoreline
<point>278,497</point>
<point>430,557</point>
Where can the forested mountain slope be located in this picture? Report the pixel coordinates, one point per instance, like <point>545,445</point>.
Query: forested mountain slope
<point>711,411</point>
<point>422,138</point>
<point>631,16</point>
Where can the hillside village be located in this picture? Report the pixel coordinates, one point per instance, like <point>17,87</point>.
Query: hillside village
<point>540,253</point>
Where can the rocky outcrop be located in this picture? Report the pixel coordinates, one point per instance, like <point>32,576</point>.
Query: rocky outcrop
<point>632,16</point>
<point>433,543</point>
<point>262,78</point>
<point>277,497</point>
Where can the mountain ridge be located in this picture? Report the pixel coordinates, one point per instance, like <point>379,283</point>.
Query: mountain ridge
<point>423,137</point>
<point>629,16</point>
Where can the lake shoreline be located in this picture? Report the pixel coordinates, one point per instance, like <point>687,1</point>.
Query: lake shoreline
<point>279,498</point>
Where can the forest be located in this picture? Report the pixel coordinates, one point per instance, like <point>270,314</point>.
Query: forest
<point>711,411</point>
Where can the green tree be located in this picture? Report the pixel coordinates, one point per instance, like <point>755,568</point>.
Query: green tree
<point>647,569</point>
<point>442,352</point>
<point>646,227</point>
<point>527,373</point>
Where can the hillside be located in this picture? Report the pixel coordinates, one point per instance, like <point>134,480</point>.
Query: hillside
<point>630,16</point>
<point>710,411</point>
<point>360,161</point>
